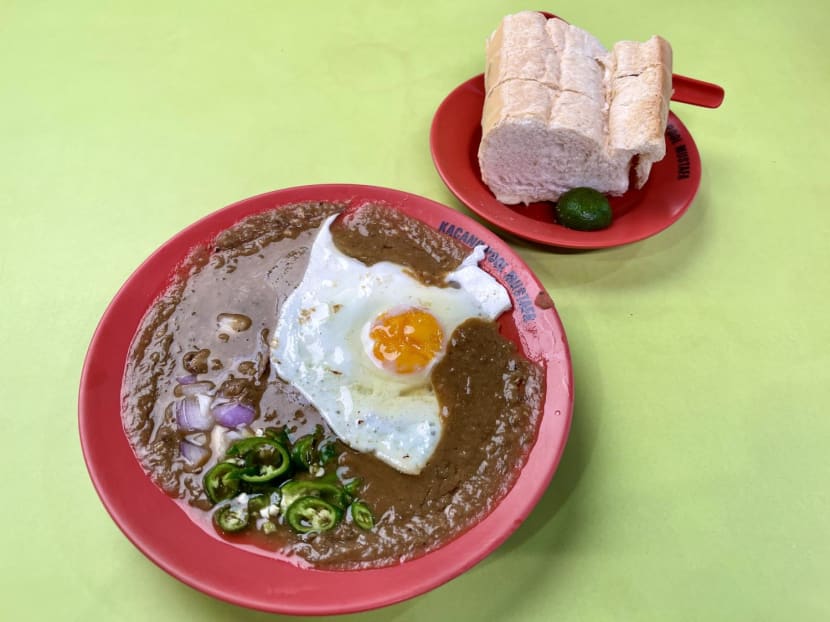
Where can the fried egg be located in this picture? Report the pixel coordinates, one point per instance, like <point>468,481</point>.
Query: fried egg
<point>360,343</point>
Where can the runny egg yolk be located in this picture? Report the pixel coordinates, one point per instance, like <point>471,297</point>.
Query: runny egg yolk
<point>406,341</point>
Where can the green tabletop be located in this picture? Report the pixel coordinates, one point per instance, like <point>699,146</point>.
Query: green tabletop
<point>695,482</point>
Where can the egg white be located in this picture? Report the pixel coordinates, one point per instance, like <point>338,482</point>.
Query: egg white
<point>321,347</point>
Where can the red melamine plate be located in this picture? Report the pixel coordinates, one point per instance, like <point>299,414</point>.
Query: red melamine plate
<point>638,214</point>
<point>160,528</point>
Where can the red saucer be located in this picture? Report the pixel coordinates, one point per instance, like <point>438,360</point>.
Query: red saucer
<point>638,214</point>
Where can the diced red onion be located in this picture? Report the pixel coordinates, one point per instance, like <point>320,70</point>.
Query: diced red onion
<point>197,438</point>
<point>233,414</point>
<point>194,455</point>
<point>189,379</point>
<point>193,413</point>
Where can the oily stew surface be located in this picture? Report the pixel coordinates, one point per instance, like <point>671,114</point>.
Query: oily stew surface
<point>207,338</point>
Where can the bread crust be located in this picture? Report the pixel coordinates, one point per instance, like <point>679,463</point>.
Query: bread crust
<point>561,111</point>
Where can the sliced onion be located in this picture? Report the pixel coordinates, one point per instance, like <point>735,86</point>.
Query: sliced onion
<point>189,379</point>
<point>194,456</point>
<point>197,438</point>
<point>233,414</point>
<point>193,413</point>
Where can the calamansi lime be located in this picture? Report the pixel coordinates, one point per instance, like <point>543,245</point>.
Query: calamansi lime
<point>584,209</point>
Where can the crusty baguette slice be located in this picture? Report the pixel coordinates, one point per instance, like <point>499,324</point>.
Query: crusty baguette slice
<point>640,87</point>
<point>561,111</point>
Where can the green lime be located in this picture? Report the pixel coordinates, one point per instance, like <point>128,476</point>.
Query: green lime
<point>584,209</point>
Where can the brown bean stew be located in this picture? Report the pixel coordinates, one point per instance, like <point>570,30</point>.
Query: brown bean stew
<point>199,381</point>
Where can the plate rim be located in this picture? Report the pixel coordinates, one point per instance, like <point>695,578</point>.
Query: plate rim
<point>562,237</point>
<point>97,373</point>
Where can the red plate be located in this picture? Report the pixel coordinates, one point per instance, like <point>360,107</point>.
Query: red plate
<point>160,528</point>
<point>638,214</point>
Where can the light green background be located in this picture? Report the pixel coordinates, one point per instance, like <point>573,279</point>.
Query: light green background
<point>695,484</point>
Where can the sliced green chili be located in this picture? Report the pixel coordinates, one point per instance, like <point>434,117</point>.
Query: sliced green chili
<point>295,489</point>
<point>265,461</point>
<point>256,503</point>
<point>362,515</point>
<point>262,473</point>
<point>262,467</point>
<point>304,453</point>
<point>308,514</point>
<point>244,447</point>
<point>231,518</point>
<point>278,434</point>
<point>222,481</point>
<point>353,487</point>
<point>327,451</point>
